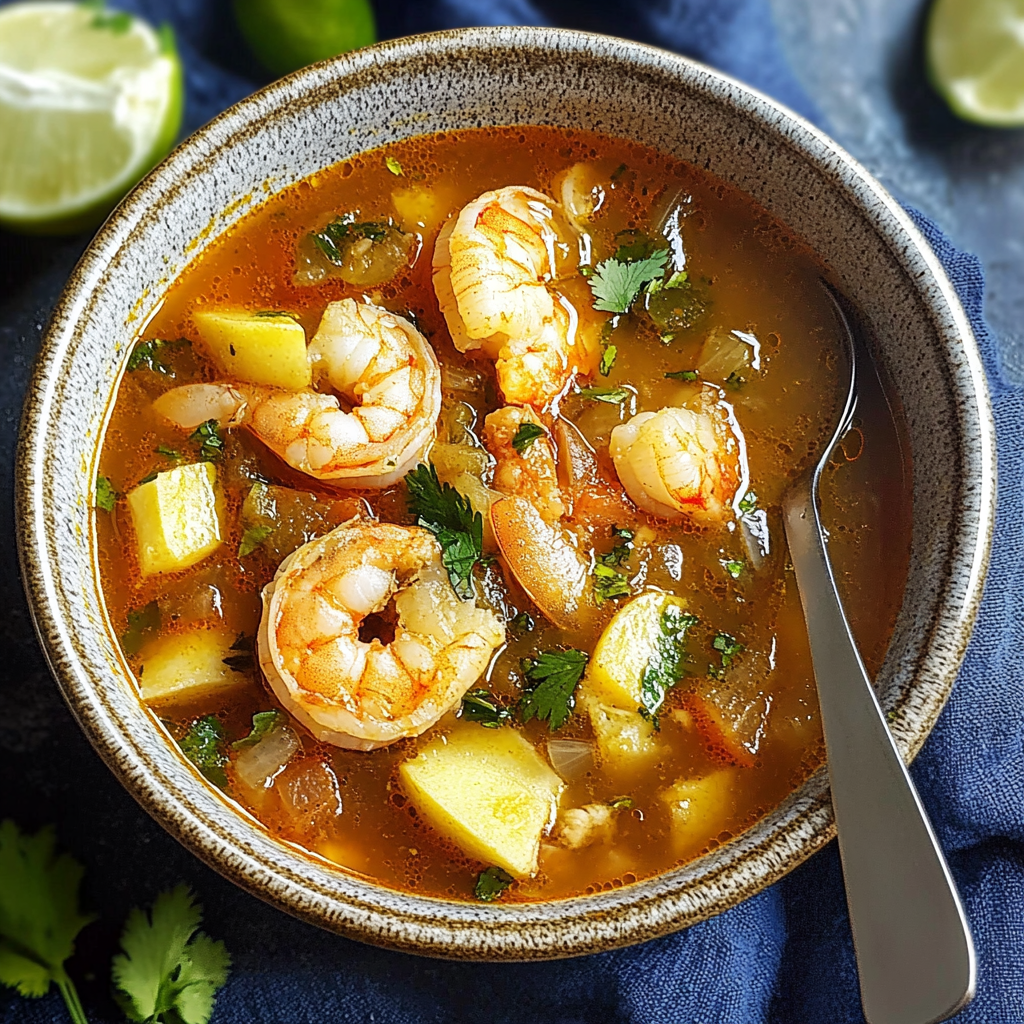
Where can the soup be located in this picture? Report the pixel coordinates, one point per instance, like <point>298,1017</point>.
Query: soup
<point>438,512</point>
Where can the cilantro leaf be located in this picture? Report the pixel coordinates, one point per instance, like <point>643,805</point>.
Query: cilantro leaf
<point>333,241</point>
<point>617,282</point>
<point>393,166</point>
<point>727,646</point>
<point>106,496</point>
<point>748,503</point>
<point>168,453</point>
<point>253,538</point>
<point>526,435</point>
<point>482,707</point>
<point>687,375</point>
<point>666,665</point>
<point>554,675</point>
<point>262,723</point>
<point>203,745</point>
<point>169,971</point>
<point>522,623</point>
<point>609,583</point>
<point>622,803</point>
<point>491,883</point>
<point>149,355</point>
<point>733,567</point>
<point>448,515</point>
<point>211,441</point>
<point>608,357</point>
<point>613,396</point>
<point>39,915</point>
<point>141,623</point>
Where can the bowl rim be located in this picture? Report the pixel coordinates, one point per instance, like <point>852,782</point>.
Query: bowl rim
<point>291,880</point>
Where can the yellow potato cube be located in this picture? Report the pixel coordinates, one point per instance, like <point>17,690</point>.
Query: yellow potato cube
<point>262,348</point>
<point>423,208</point>
<point>622,653</point>
<point>700,809</point>
<point>177,518</point>
<point>489,792</point>
<point>627,741</point>
<point>186,667</point>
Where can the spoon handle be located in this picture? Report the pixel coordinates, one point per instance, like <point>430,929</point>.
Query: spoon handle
<point>914,950</point>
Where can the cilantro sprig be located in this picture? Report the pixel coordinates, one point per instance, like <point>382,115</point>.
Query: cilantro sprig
<point>609,580</point>
<point>616,282</point>
<point>554,676</point>
<point>152,355</point>
<point>253,537</point>
<point>526,435</point>
<point>203,745</point>
<point>211,441</point>
<point>491,883</point>
<point>667,663</point>
<point>106,496</point>
<point>263,722</point>
<point>448,515</point>
<point>482,707</point>
<point>611,396</point>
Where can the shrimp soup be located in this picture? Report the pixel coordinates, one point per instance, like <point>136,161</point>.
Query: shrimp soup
<point>438,513</point>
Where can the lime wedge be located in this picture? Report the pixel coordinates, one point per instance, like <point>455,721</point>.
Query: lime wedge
<point>975,55</point>
<point>89,101</point>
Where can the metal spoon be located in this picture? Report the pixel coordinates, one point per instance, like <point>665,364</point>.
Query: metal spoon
<point>913,945</point>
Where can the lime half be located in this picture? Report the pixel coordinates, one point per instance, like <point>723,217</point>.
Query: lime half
<point>89,101</point>
<point>975,55</point>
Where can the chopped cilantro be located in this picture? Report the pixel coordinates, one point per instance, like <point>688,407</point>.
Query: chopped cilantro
<point>211,441</point>
<point>491,883</point>
<point>141,623</point>
<point>335,237</point>
<point>677,280</point>
<point>522,623</point>
<point>748,503</point>
<point>618,281</point>
<point>666,666</point>
<point>253,537</point>
<point>168,453</point>
<point>609,583</point>
<point>554,675</point>
<point>687,375</point>
<point>150,477</point>
<point>613,396</point>
<point>169,970</point>
<point>244,659</point>
<point>727,646</point>
<point>275,314</point>
<point>622,803</point>
<point>393,166</point>
<point>203,745</point>
<point>482,707</point>
<point>608,357</point>
<point>448,515</point>
<point>586,270</point>
<point>148,355</point>
<point>106,496</point>
<point>526,435</point>
<point>734,568</point>
<point>39,915</point>
<point>262,723</point>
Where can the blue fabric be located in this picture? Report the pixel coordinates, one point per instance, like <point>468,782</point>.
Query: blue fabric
<point>786,954</point>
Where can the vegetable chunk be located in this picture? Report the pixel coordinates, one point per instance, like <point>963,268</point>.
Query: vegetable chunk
<point>177,518</point>
<point>626,740</point>
<point>262,348</point>
<point>699,808</point>
<point>489,792</point>
<point>184,668</point>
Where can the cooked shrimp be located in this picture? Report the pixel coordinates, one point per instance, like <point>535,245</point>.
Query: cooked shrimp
<point>677,463</point>
<point>375,360</point>
<point>366,694</point>
<point>494,270</point>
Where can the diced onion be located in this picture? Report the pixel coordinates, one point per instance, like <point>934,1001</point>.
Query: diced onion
<point>257,765</point>
<point>571,759</point>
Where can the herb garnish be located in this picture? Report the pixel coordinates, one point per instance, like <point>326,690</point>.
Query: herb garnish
<point>211,441</point>
<point>448,515</point>
<point>243,659</point>
<point>169,970</point>
<point>748,503</point>
<point>608,357</point>
<point>728,647</point>
<point>482,707</point>
<point>148,355</point>
<point>609,581</point>
<point>526,435</point>
<point>334,237</point>
<point>686,375</point>
<point>393,166</point>
<point>262,723</point>
<point>667,664</point>
<point>616,282</point>
<point>554,675</point>
<point>106,496</point>
<point>491,883</point>
<point>253,537</point>
<point>622,803</point>
<point>522,623</point>
<point>733,567</point>
<point>171,454</point>
<point>141,622</point>
<point>613,396</point>
<point>203,745</point>
<point>39,915</point>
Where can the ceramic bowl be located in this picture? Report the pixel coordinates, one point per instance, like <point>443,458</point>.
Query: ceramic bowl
<point>502,76</point>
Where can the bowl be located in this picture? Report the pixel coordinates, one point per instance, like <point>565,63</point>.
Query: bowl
<point>908,310</point>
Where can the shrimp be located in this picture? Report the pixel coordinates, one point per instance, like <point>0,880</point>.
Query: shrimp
<point>377,361</point>
<point>494,268</point>
<point>363,694</point>
<point>676,462</point>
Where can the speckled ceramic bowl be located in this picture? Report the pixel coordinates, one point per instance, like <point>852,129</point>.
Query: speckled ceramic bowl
<point>456,80</point>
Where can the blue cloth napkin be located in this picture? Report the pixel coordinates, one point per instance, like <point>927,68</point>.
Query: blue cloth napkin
<point>786,954</point>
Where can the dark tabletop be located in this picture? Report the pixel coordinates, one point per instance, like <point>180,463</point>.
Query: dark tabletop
<point>858,59</point>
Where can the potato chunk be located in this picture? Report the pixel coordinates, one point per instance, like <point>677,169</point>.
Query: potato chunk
<point>489,792</point>
<point>699,809</point>
<point>186,667</point>
<point>262,348</point>
<point>615,673</point>
<point>626,740</point>
<point>177,518</point>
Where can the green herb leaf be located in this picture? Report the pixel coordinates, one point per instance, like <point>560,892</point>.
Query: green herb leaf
<point>39,915</point>
<point>617,282</point>
<point>667,664</point>
<point>169,970</point>
<point>245,658</point>
<point>491,883</point>
<point>141,623</point>
<point>727,646</point>
<point>686,375</point>
<point>613,396</point>
<point>150,355</point>
<point>734,568</point>
<point>393,166</point>
<point>622,803</point>
<point>526,435</point>
<point>253,538</point>
<point>608,357</point>
<point>262,723</point>
<point>554,675</point>
<point>211,441</point>
<point>203,745</point>
<point>609,583</point>
<point>276,314</point>
<point>106,496</point>
<point>735,381</point>
<point>168,453</point>
<point>748,503</point>
<point>522,623</point>
<point>482,707</point>
<point>448,515</point>
<point>335,237</point>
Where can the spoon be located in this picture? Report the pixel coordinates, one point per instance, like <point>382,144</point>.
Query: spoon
<point>914,950</point>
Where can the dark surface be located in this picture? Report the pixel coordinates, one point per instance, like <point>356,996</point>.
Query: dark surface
<point>857,59</point>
